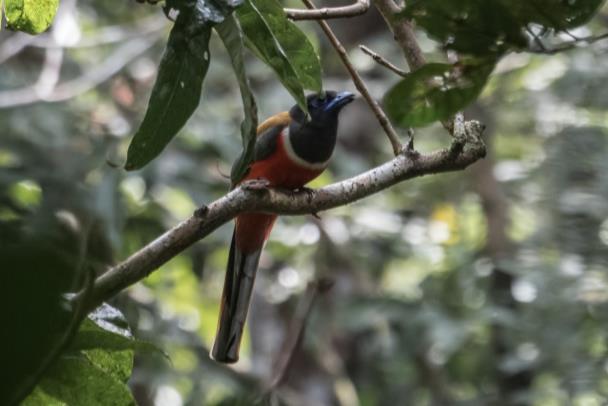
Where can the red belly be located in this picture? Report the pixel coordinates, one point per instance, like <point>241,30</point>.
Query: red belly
<point>253,228</point>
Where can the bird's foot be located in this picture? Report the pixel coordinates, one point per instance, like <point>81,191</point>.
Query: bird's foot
<point>310,193</point>
<point>201,211</point>
<point>256,184</point>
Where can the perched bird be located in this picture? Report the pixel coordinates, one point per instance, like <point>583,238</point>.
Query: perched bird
<point>291,150</point>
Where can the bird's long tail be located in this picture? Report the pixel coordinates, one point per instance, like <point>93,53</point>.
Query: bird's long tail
<point>250,233</point>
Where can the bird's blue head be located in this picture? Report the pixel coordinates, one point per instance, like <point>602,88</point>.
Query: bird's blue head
<point>329,103</point>
<point>323,107</point>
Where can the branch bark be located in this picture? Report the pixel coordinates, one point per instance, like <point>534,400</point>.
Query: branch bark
<point>356,9</point>
<point>407,165</point>
<point>403,31</point>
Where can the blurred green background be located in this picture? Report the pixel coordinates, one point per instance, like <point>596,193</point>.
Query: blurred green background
<point>487,286</point>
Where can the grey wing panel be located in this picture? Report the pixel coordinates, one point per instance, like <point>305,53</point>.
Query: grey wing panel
<point>266,143</point>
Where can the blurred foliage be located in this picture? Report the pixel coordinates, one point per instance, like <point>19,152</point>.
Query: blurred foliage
<point>481,32</point>
<point>424,310</point>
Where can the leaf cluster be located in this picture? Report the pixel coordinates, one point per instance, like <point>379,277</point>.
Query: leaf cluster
<point>481,32</point>
<point>263,27</point>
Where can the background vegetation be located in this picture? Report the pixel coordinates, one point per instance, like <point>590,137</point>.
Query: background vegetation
<point>487,286</point>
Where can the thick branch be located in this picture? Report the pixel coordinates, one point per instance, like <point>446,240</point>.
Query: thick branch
<point>403,167</point>
<point>403,31</point>
<point>358,8</point>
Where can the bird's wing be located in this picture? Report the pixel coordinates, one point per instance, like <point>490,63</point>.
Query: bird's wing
<point>278,120</point>
<point>268,134</point>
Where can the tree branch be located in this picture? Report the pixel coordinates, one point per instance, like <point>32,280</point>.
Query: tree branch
<point>359,84</point>
<point>205,220</point>
<point>404,33</point>
<point>381,61</point>
<point>358,8</point>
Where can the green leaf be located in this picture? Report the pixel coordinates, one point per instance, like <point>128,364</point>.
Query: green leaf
<point>477,27</point>
<point>232,36</point>
<point>436,91</point>
<point>76,380</point>
<point>104,340</point>
<point>107,329</point>
<point>177,90</point>
<point>485,27</point>
<point>35,273</point>
<point>282,46</point>
<point>205,11</point>
<point>31,16</point>
<point>300,52</point>
<point>98,364</point>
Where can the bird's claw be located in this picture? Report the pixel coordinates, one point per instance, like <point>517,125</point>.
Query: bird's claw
<point>201,211</point>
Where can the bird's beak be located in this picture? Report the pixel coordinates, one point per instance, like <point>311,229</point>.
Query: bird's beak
<point>341,100</point>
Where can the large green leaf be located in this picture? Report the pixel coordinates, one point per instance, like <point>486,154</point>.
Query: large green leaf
<point>76,380</point>
<point>177,90</point>
<point>232,37</point>
<point>436,91</point>
<point>95,367</point>
<point>31,16</point>
<point>282,46</point>
<point>295,44</point>
<point>35,272</point>
<point>106,329</point>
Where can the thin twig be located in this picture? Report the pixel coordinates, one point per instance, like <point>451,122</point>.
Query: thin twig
<point>537,40</point>
<point>356,9</point>
<point>543,49</point>
<point>382,61</point>
<point>296,331</point>
<point>49,74</point>
<point>359,84</point>
<point>208,219</point>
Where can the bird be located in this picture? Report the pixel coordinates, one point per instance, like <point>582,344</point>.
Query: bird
<point>291,149</point>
